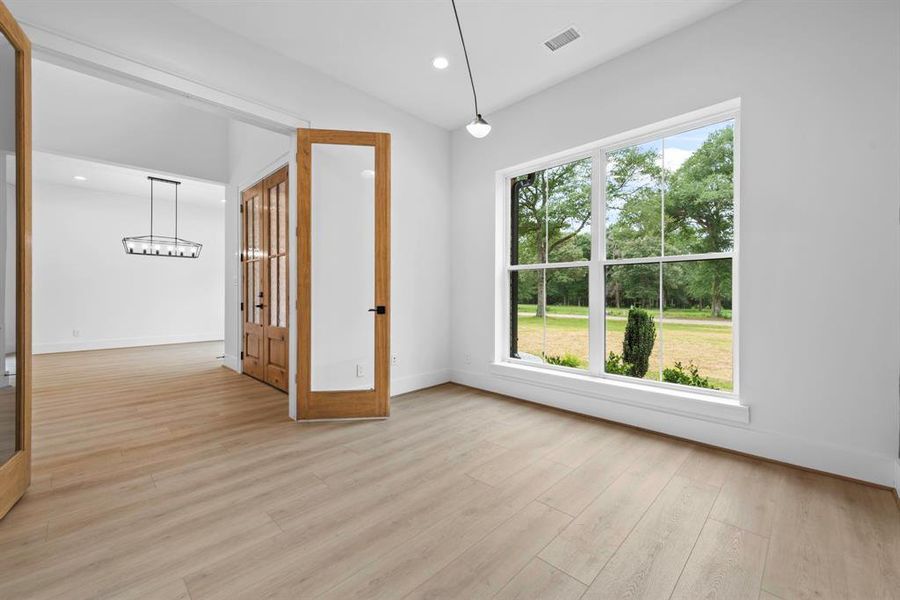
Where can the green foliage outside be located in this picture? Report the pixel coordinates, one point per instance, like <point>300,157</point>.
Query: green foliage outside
<point>691,203</point>
<point>557,335</point>
<point>640,334</point>
<point>689,375</point>
<point>699,218</point>
<point>566,360</point>
<point>553,214</point>
<point>554,226</point>
<point>616,365</point>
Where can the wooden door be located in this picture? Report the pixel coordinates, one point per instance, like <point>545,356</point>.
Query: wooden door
<point>264,262</point>
<point>253,272</point>
<point>343,285</point>
<point>15,261</point>
<point>275,310</point>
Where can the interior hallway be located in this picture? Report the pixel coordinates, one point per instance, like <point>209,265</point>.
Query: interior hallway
<point>159,474</point>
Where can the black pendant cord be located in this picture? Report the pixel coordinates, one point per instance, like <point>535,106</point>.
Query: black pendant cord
<point>151,211</point>
<point>176,214</point>
<point>466,54</point>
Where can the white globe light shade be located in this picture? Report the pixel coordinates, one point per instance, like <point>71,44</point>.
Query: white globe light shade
<point>478,127</point>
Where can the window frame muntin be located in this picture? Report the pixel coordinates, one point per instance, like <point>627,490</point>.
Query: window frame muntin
<point>598,151</point>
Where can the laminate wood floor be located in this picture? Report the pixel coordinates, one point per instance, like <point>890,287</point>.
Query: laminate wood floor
<point>159,474</point>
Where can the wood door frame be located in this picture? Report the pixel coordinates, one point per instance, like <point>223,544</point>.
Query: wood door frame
<point>343,404</point>
<point>15,474</point>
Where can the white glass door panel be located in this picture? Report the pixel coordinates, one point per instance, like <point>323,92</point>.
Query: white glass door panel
<point>343,267</point>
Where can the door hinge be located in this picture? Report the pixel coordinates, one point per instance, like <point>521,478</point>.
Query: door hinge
<point>242,307</point>
<point>242,208</point>
<point>242,355</point>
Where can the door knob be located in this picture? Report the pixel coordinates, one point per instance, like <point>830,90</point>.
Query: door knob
<point>378,310</point>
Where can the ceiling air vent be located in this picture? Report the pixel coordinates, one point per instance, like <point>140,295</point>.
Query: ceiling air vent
<point>560,40</point>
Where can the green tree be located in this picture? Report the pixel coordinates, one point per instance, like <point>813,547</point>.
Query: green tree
<point>633,197</point>
<point>699,207</point>
<point>637,345</point>
<point>551,213</point>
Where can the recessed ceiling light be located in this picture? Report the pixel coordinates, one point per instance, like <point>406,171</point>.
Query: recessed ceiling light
<point>440,63</point>
<point>80,178</point>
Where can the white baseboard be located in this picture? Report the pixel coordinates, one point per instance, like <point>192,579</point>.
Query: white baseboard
<point>811,454</point>
<point>233,363</point>
<point>411,383</point>
<point>109,343</point>
<point>897,477</point>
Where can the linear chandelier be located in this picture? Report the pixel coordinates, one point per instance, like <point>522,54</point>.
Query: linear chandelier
<point>162,245</point>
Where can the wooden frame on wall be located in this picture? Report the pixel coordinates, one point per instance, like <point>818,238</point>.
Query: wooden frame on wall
<point>350,404</point>
<point>15,474</point>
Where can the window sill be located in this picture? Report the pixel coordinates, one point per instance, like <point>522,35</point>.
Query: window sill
<point>677,402</point>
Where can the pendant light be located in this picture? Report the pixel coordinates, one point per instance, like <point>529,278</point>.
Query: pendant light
<point>478,127</point>
<point>162,245</point>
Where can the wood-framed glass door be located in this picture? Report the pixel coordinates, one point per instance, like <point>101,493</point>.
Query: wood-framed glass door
<point>275,312</point>
<point>343,283</point>
<point>264,269</point>
<point>15,261</point>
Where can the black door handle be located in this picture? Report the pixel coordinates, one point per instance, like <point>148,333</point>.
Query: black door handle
<point>260,305</point>
<point>378,310</point>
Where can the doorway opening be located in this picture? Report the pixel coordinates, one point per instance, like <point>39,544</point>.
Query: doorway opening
<point>93,293</point>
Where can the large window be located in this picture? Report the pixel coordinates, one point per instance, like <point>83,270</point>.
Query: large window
<point>621,261</point>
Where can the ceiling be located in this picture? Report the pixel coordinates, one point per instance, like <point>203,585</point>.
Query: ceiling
<point>385,47</point>
<point>126,181</point>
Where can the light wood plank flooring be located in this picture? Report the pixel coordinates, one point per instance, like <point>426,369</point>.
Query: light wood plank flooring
<point>159,474</point>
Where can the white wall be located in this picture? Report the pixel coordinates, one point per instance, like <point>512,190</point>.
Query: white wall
<point>820,335</point>
<point>7,198</point>
<point>84,281</point>
<point>167,37</point>
<point>84,116</point>
<point>7,96</point>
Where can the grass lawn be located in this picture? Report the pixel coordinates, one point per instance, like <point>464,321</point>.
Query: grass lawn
<point>672,313</point>
<point>709,346</point>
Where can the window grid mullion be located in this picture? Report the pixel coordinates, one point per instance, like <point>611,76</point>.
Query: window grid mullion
<point>596,282</point>
<point>662,251</point>
<point>669,258</point>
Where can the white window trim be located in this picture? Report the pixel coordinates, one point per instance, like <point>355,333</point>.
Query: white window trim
<point>657,395</point>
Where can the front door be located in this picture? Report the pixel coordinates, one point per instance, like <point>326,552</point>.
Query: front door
<point>264,262</point>
<point>343,284</point>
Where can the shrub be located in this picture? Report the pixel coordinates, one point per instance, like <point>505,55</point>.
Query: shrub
<point>640,334</point>
<point>686,376</point>
<point>616,365</point>
<point>566,360</point>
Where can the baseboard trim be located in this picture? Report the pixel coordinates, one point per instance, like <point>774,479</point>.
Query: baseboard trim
<point>897,481</point>
<point>806,454</point>
<point>233,363</point>
<point>412,383</point>
<point>111,343</point>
